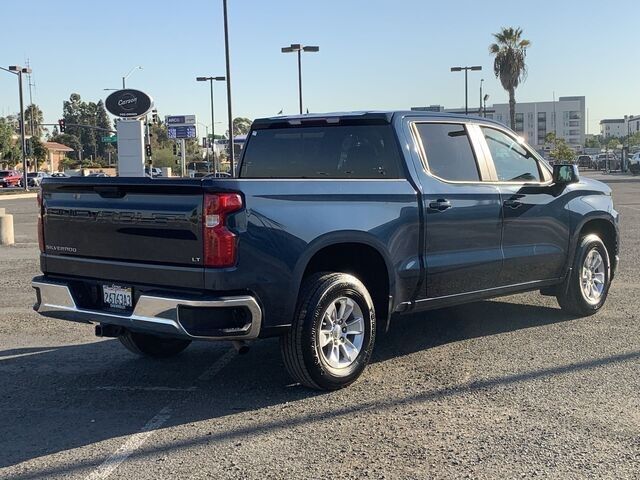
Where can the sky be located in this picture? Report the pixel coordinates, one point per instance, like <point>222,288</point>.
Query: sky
<point>374,54</point>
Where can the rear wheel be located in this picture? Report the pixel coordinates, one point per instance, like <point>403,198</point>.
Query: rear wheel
<point>151,345</point>
<point>588,284</point>
<point>333,333</point>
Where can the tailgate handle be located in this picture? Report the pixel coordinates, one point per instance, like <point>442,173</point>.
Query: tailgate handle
<point>109,192</point>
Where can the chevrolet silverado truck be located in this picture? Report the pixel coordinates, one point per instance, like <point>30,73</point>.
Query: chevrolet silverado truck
<point>335,225</point>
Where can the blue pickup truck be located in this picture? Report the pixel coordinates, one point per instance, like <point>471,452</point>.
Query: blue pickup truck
<point>335,225</point>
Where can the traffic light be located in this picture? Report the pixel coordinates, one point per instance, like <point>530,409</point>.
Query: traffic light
<point>62,125</point>
<point>147,149</point>
<point>175,149</point>
<point>154,116</point>
<point>28,147</point>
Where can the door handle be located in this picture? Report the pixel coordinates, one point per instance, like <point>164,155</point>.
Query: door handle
<point>440,204</point>
<point>511,203</point>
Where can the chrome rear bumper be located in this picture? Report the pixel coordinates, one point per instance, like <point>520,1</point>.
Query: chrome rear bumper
<point>152,314</point>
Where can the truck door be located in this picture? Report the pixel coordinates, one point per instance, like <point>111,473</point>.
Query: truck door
<point>535,233</point>
<point>462,215</point>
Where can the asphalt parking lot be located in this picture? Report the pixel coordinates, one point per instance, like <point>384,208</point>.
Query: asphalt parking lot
<point>507,388</point>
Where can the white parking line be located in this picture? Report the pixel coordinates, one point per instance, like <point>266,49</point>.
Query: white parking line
<point>137,440</point>
<point>18,196</point>
<point>127,388</point>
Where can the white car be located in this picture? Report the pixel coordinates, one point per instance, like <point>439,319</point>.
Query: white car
<point>35,178</point>
<point>634,159</point>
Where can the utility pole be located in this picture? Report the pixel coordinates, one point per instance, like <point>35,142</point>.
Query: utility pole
<point>228,69</point>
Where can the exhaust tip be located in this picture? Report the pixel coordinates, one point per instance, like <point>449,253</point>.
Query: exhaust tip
<point>241,346</point>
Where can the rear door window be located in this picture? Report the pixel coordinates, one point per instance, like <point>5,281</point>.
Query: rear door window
<point>341,151</point>
<point>448,151</point>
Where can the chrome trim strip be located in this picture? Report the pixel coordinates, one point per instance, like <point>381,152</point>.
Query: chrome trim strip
<point>151,313</point>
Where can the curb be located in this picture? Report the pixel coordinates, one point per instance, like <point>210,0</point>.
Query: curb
<point>8,196</point>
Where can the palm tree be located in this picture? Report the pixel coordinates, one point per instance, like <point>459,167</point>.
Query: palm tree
<point>509,64</point>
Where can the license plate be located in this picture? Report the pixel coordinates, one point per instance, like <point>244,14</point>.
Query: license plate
<point>117,297</point>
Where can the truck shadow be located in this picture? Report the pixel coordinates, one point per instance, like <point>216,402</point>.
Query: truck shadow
<point>55,399</point>
<point>479,319</point>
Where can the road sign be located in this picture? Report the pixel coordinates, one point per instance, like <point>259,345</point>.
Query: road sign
<point>180,120</point>
<point>110,139</point>
<point>182,131</point>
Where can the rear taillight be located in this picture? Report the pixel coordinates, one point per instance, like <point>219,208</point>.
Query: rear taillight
<point>220,243</point>
<point>40,224</point>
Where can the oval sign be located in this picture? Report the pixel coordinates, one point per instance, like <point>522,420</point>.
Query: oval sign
<point>128,103</point>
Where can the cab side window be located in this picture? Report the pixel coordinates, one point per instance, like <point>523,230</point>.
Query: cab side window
<point>512,161</point>
<point>448,151</point>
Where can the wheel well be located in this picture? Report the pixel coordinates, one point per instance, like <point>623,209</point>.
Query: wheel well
<point>363,262</point>
<point>607,233</point>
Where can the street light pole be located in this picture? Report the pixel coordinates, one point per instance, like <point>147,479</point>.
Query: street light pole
<point>466,89</point>
<point>18,71</point>
<point>296,47</point>
<point>480,105</point>
<point>213,128</point>
<point>228,71</point>
<point>128,75</point>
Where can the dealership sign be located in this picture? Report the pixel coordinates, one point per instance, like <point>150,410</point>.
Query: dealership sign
<point>129,103</point>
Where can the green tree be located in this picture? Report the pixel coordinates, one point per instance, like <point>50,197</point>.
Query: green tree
<point>560,149</point>
<point>33,117</point>
<point>592,142</point>
<point>509,65</point>
<point>241,125</point>
<point>70,141</point>
<point>9,149</point>
<point>38,151</point>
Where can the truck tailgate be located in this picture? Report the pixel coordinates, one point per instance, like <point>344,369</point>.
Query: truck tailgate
<point>124,219</point>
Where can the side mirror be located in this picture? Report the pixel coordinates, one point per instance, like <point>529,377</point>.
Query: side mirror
<point>565,173</point>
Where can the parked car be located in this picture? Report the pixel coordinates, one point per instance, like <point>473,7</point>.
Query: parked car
<point>585,161</point>
<point>10,178</point>
<point>98,174</point>
<point>338,224</point>
<point>34,179</point>
<point>608,161</point>
<point>59,175</point>
<point>634,159</point>
<point>154,171</point>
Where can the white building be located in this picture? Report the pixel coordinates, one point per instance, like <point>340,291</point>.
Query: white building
<point>565,117</point>
<point>613,127</point>
<point>620,127</point>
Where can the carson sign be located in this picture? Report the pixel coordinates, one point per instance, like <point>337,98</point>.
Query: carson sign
<point>129,103</point>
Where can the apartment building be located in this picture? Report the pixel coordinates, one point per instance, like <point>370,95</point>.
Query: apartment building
<point>566,117</point>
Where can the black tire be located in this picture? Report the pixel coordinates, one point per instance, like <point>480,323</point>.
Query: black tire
<point>300,346</point>
<point>571,297</point>
<point>151,345</point>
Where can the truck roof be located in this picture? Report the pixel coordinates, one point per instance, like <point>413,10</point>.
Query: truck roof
<point>359,117</point>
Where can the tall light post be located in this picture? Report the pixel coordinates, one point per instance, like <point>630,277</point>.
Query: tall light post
<point>213,128</point>
<point>227,57</point>
<point>296,47</point>
<point>466,84</point>
<point>124,79</point>
<point>480,105</point>
<point>18,70</point>
<point>484,105</point>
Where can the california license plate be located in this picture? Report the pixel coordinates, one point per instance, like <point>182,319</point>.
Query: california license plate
<point>117,297</point>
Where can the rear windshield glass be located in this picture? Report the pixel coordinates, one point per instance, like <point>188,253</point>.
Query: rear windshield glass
<point>349,151</point>
<point>5,174</point>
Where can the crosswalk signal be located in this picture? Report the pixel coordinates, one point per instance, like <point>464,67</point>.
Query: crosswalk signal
<point>62,125</point>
